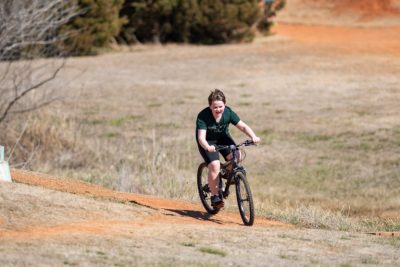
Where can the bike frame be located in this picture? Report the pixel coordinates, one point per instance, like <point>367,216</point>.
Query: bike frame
<point>236,167</point>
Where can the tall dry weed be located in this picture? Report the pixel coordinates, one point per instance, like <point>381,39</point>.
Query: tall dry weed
<point>39,137</point>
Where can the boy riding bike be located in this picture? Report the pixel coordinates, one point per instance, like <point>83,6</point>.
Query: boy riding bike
<point>212,128</point>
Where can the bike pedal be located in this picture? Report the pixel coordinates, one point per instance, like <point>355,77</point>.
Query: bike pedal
<point>206,188</point>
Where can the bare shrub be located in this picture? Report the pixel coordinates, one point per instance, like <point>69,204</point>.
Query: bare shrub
<point>29,30</point>
<point>41,136</point>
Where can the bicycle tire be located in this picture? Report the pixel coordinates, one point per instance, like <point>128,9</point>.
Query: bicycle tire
<point>204,191</point>
<point>244,198</point>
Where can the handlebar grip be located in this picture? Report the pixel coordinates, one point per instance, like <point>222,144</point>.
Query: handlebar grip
<point>218,148</point>
<point>248,142</point>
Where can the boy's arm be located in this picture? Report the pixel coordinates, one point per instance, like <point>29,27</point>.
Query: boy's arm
<point>201,137</point>
<point>248,131</point>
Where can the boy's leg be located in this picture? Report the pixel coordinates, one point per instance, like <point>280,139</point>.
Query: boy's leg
<point>213,183</point>
<point>213,171</point>
<point>213,164</point>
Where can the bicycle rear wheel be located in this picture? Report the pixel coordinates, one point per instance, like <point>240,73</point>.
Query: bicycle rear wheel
<point>204,190</point>
<point>244,198</point>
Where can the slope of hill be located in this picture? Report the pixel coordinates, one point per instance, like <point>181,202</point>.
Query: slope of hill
<point>98,227</point>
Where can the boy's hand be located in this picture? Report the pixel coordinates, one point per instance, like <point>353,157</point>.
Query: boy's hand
<point>211,149</point>
<point>256,140</point>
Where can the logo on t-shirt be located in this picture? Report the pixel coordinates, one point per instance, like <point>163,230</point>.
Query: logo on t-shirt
<point>217,128</point>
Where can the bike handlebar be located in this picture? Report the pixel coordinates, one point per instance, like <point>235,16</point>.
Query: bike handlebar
<point>234,147</point>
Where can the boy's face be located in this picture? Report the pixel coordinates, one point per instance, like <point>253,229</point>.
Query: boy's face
<point>217,107</point>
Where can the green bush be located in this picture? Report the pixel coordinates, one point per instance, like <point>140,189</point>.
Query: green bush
<point>225,21</point>
<point>195,21</point>
<point>96,26</point>
<point>147,20</point>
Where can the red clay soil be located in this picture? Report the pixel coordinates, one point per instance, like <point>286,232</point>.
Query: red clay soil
<point>188,212</point>
<point>382,39</point>
<point>367,8</point>
<point>37,232</point>
<point>372,40</point>
<point>370,8</point>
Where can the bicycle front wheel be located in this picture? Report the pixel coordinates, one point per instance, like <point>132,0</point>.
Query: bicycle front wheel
<point>204,190</point>
<point>244,198</point>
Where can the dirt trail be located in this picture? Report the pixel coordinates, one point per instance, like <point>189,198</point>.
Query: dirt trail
<point>189,213</point>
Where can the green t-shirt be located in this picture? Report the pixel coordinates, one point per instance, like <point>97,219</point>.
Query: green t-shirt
<point>215,130</point>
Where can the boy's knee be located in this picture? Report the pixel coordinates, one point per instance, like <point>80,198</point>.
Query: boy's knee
<point>214,165</point>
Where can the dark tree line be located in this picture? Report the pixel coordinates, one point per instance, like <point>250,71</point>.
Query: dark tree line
<point>182,21</point>
<point>100,22</point>
<point>194,21</point>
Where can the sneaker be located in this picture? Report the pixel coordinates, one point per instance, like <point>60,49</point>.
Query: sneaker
<point>217,202</point>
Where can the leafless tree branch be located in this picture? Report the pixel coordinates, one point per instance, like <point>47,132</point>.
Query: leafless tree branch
<point>20,95</point>
<point>30,30</point>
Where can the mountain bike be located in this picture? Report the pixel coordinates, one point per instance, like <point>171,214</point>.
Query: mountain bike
<point>231,173</point>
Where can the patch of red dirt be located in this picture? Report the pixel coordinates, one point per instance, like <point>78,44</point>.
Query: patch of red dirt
<point>370,8</point>
<point>373,40</point>
<point>82,188</point>
<point>91,227</point>
<point>174,211</point>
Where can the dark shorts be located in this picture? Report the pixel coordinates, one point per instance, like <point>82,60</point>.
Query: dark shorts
<point>211,156</point>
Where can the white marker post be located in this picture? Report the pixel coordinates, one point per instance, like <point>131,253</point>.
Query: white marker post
<point>4,167</point>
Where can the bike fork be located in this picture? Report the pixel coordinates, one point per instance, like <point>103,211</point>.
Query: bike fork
<point>225,190</point>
